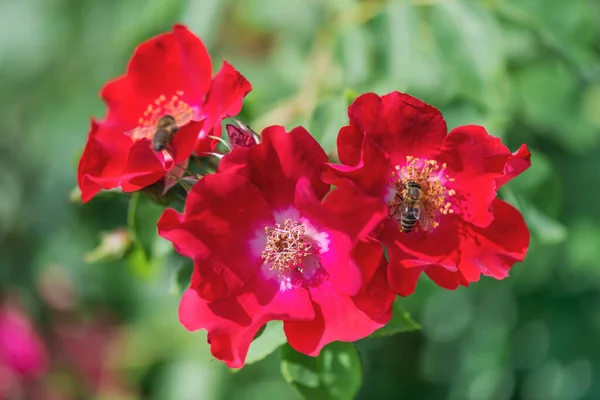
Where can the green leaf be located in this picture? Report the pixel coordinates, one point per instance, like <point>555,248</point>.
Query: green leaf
<point>142,216</point>
<point>469,39</point>
<point>548,230</point>
<point>181,277</point>
<point>401,322</point>
<point>336,374</point>
<point>327,119</point>
<point>266,342</point>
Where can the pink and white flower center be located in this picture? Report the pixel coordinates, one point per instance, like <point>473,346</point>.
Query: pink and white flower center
<point>435,193</point>
<point>291,249</point>
<point>287,246</point>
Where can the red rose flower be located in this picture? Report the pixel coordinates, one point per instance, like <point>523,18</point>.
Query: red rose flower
<point>441,185</point>
<point>170,74</point>
<point>266,246</point>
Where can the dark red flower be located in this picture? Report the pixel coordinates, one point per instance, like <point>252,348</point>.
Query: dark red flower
<point>170,74</point>
<point>463,230</point>
<point>268,245</point>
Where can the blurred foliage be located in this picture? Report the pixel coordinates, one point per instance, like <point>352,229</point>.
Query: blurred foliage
<point>529,70</point>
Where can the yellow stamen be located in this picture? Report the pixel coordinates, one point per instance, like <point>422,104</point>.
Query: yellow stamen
<point>179,109</point>
<point>286,247</point>
<point>432,179</point>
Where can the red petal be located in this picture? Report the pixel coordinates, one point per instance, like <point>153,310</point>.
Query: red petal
<point>337,319</point>
<point>233,323</point>
<point>183,142</point>
<point>403,280</point>
<point>144,166</point>
<point>376,296</point>
<point>336,258</point>
<point>350,145</point>
<point>125,106</point>
<point>226,94</point>
<point>429,248</point>
<point>490,251</point>
<point>475,160</point>
<point>180,230</point>
<point>171,62</point>
<point>102,161</point>
<point>516,163</point>
<point>162,65</point>
<point>224,212</point>
<point>493,250</point>
<point>410,253</point>
<point>347,216</point>
<point>370,173</point>
<point>446,279</point>
<point>356,213</point>
<point>278,162</point>
<point>398,123</point>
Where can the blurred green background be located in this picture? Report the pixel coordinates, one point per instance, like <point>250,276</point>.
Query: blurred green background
<point>528,70</point>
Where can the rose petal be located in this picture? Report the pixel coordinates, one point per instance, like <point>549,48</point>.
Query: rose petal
<point>403,280</point>
<point>144,166</point>
<point>376,296</point>
<point>370,173</point>
<point>477,161</point>
<point>276,165</point>
<point>337,319</point>
<point>233,323</point>
<point>102,160</point>
<point>223,212</point>
<point>171,62</point>
<point>398,123</point>
<point>493,250</point>
<point>226,94</point>
<point>516,163</point>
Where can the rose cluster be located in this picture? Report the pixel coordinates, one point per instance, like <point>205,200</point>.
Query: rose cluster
<point>278,232</point>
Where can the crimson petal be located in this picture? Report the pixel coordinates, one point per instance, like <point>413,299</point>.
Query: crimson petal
<point>233,323</point>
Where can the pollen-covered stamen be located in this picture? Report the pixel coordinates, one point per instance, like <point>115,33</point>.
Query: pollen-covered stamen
<point>163,105</point>
<point>286,247</point>
<point>433,181</point>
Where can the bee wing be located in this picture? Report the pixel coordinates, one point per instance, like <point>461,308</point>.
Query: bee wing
<point>140,132</point>
<point>181,118</point>
<point>424,219</point>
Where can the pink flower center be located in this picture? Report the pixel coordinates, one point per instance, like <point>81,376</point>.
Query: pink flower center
<point>419,194</point>
<point>181,112</point>
<point>286,247</point>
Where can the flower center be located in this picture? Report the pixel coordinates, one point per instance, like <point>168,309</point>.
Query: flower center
<point>419,193</point>
<point>181,111</point>
<point>286,247</point>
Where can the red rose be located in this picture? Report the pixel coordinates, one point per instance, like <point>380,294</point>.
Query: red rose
<point>396,141</point>
<point>170,74</point>
<point>268,245</point>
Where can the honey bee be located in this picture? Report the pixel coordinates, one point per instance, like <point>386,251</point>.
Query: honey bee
<point>412,208</point>
<point>162,132</point>
<point>166,127</point>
